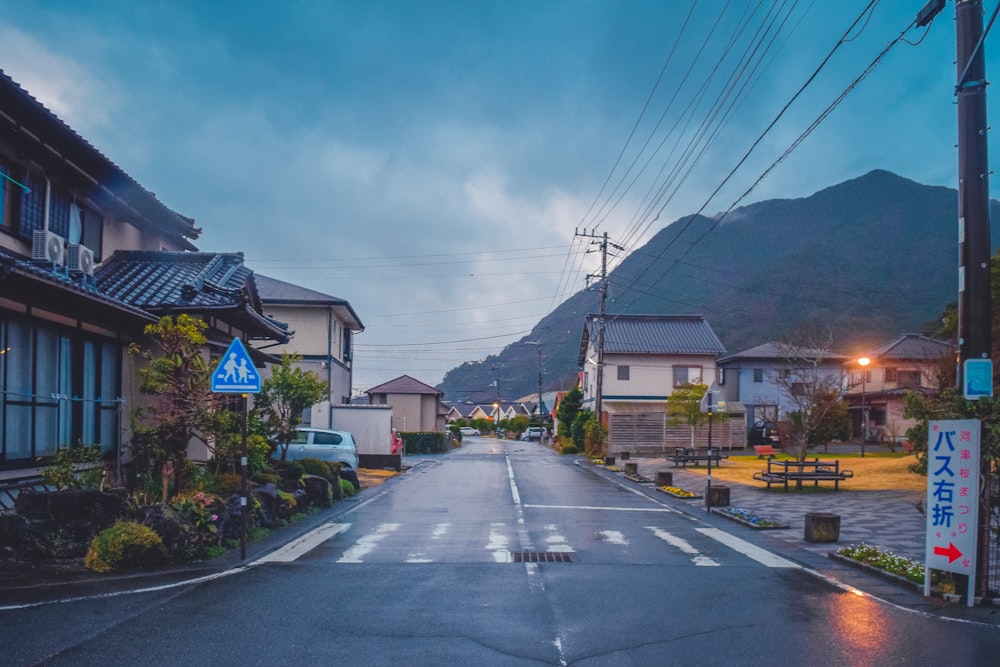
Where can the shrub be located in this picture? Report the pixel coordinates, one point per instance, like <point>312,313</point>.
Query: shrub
<point>75,468</point>
<point>569,448</point>
<point>125,545</point>
<point>317,467</point>
<point>203,510</point>
<point>265,478</point>
<point>224,483</point>
<point>426,443</point>
<point>346,488</point>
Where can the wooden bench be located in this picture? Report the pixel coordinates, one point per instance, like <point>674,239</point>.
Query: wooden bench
<point>684,455</point>
<point>764,450</point>
<point>815,471</point>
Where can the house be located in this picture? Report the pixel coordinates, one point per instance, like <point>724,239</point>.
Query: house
<point>766,378</point>
<point>324,328</point>
<point>646,357</point>
<point>909,363</point>
<point>417,407</point>
<point>88,258</point>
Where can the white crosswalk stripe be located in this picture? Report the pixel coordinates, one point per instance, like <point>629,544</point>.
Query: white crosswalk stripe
<point>443,541</point>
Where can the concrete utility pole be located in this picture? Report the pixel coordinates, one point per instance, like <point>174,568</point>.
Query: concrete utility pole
<point>975,313</point>
<point>601,321</point>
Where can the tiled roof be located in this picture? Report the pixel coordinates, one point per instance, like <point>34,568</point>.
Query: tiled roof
<point>167,281</point>
<point>782,351</point>
<point>404,384</point>
<point>28,122</point>
<point>75,291</point>
<point>653,334</point>
<point>911,347</point>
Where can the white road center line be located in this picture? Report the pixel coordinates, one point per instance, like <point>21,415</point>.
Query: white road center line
<point>751,551</point>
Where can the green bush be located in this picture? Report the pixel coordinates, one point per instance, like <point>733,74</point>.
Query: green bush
<point>75,468</point>
<point>223,484</point>
<point>432,442</point>
<point>569,448</point>
<point>346,488</point>
<point>317,467</point>
<point>123,546</point>
<point>267,477</point>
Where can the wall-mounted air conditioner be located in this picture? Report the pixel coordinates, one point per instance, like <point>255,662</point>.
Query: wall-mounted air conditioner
<point>79,259</point>
<point>48,247</point>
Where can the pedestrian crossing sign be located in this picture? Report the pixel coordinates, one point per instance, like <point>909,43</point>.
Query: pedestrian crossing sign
<point>235,372</point>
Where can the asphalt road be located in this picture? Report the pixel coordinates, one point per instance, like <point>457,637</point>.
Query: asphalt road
<point>429,571</point>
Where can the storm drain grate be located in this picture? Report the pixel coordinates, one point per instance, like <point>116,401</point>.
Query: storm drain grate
<point>541,557</point>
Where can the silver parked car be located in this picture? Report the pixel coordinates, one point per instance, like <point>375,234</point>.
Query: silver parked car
<point>323,444</point>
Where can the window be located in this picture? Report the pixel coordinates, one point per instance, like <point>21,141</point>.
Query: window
<point>687,375</point>
<point>59,205</point>
<point>758,375</point>
<point>58,388</point>
<point>623,372</point>
<point>32,205</point>
<point>785,373</point>
<point>890,375</point>
<point>909,378</point>
<point>797,388</point>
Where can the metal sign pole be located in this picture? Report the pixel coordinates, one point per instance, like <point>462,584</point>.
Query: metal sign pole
<point>244,484</point>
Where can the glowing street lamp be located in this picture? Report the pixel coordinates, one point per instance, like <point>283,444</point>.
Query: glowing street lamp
<point>863,362</point>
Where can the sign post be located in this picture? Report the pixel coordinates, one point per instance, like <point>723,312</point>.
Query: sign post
<point>708,403</point>
<point>236,374</point>
<point>952,500</point>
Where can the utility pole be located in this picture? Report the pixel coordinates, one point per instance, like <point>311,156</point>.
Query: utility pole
<point>538,351</point>
<point>601,320</point>
<point>975,313</point>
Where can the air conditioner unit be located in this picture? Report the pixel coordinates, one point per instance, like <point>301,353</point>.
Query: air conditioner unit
<point>79,259</point>
<point>48,247</point>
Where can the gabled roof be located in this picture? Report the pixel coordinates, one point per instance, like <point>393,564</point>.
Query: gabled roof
<point>652,334</point>
<point>33,129</point>
<point>911,347</point>
<point>276,292</point>
<point>404,384</point>
<point>773,351</point>
<point>164,282</point>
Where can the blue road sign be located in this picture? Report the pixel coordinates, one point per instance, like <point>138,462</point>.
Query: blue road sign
<point>235,372</point>
<point>978,378</point>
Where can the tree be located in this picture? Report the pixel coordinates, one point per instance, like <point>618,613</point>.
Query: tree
<point>819,414</point>
<point>569,406</point>
<point>684,408</point>
<point>181,406</point>
<point>286,395</point>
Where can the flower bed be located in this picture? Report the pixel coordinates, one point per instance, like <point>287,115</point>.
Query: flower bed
<point>677,492</point>
<point>613,468</point>
<point>893,567</point>
<point>747,518</point>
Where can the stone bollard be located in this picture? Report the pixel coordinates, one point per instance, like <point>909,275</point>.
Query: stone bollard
<point>822,527</point>
<point>718,496</point>
<point>632,469</point>
<point>609,460</point>
<point>624,456</point>
<point>664,478</point>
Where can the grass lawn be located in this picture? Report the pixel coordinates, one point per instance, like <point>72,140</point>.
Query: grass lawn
<point>879,471</point>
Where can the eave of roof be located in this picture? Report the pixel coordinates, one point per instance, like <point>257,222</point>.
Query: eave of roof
<point>276,292</point>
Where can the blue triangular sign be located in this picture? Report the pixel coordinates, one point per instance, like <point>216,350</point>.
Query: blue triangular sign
<point>236,372</point>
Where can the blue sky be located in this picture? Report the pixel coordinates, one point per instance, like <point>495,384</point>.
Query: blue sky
<point>430,161</point>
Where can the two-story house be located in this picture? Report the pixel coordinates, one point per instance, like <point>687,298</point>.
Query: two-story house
<point>766,379</point>
<point>324,328</point>
<point>416,407</point>
<point>645,358</point>
<point>88,258</point>
<point>876,391</point>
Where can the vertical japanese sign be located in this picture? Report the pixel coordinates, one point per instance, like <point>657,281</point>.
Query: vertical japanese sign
<point>952,498</point>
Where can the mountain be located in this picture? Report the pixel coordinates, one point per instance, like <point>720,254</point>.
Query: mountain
<point>865,260</point>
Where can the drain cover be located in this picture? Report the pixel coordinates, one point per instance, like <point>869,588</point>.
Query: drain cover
<point>541,557</point>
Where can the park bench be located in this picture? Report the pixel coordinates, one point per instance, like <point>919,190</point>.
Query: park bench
<point>764,450</point>
<point>907,446</point>
<point>684,455</point>
<point>815,471</point>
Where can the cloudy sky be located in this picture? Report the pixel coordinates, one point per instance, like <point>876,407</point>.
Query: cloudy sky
<point>432,161</point>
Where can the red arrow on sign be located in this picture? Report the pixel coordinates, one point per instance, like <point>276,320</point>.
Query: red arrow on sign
<point>951,551</point>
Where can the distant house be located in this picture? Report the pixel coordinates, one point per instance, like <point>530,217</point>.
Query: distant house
<point>645,358</point>
<point>764,378</point>
<point>417,407</point>
<point>905,364</point>
<point>324,328</point>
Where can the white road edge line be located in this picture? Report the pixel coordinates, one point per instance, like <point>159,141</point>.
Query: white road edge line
<point>303,545</point>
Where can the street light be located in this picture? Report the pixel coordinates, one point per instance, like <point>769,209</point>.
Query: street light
<point>496,420</point>
<point>863,362</point>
